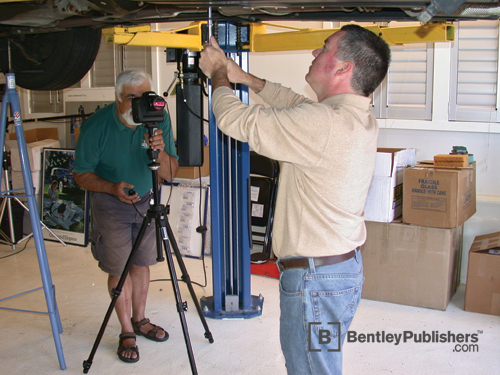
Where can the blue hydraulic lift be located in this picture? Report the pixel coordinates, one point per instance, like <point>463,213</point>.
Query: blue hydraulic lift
<point>229,185</point>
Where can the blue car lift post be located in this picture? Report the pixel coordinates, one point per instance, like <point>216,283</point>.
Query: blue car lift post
<point>229,185</point>
<point>12,97</point>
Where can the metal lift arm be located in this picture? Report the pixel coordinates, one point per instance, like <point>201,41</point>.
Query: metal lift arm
<point>260,40</point>
<point>186,37</point>
<point>305,39</point>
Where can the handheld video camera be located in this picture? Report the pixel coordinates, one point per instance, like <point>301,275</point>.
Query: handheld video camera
<point>148,108</point>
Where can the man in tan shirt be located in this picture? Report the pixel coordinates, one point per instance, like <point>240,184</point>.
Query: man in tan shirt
<point>327,155</point>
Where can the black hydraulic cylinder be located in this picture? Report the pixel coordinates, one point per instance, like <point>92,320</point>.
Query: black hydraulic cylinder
<point>189,105</point>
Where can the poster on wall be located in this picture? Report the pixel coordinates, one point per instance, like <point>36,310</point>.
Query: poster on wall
<point>65,208</point>
<point>188,210</point>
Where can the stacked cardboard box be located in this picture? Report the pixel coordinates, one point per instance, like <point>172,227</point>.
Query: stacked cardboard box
<point>36,141</point>
<point>482,292</point>
<point>411,265</point>
<point>385,197</point>
<point>416,260</point>
<point>439,197</point>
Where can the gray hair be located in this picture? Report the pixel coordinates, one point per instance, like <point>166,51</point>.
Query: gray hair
<point>369,54</point>
<point>132,77</point>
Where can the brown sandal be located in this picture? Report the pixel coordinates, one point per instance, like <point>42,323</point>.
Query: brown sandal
<point>151,334</point>
<point>123,348</point>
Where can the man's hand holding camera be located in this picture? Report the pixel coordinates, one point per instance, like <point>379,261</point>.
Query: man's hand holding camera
<point>156,141</point>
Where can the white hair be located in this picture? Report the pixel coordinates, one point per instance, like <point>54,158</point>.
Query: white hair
<point>132,77</point>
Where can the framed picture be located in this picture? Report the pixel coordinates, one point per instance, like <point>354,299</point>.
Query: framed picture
<point>65,208</point>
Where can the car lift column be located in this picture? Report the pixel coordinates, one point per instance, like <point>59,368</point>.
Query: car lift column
<point>229,186</point>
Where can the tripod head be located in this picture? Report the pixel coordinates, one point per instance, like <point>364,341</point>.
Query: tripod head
<point>156,209</point>
<point>148,110</point>
<point>152,126</point>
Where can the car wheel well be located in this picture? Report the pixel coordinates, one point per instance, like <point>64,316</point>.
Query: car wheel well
<point>51,61</point>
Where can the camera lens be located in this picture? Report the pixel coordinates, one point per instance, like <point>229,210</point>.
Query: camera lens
<point>158,103</point>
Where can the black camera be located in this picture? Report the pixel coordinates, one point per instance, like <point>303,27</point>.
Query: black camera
<point>148,108</point>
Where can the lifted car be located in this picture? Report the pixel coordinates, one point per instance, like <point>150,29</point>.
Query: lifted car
<point>54,43</point>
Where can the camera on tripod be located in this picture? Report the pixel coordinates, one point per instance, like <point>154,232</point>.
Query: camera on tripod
<point>148,108</point>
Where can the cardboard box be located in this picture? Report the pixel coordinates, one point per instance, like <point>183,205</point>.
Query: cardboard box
<point>36,141</point>
<point>385,197</point>
<point>193,172</point>
<point>482,293</point>
<point>439,197</point>
<point>35,150</point>
<point>34,135</point>
<point>18,180</point>
<point>18,183</point>
<point>411,265</point>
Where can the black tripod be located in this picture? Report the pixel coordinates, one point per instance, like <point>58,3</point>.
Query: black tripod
<point>163,234</point>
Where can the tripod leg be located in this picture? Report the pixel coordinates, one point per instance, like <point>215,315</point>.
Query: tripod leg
<point>185,277</point>
<point>159,240</point>
<point>6,203</point>
<point>181,306</point>
<point>116,293</point>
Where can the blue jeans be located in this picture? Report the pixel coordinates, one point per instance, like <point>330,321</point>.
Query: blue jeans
<point>316,304</point>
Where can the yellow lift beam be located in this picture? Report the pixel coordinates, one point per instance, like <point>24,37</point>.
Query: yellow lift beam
<point>143,36</point>
<point>261,41</point>
<point>300,39</point>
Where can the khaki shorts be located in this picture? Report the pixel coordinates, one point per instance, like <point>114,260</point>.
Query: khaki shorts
<point>115,227</point>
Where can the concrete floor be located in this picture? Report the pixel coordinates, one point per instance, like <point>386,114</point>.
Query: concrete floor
<point>249,346</point>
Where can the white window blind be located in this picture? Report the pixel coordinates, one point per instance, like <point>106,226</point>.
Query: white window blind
<point>409,83</point>
<point>406,93</point>
<point>474,72</point>
<point>103,71</point>
<point>136,57</point>
<point>113,59</point>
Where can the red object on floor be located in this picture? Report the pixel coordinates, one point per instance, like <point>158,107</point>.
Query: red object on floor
<point>269,268</point>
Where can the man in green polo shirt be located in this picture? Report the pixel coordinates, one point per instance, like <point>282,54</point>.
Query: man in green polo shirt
<point>111,160</point>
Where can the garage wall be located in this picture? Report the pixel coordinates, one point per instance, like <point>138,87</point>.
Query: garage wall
<point>428,137</point>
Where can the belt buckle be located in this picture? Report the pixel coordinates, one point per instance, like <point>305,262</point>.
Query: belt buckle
<point>280,266</point>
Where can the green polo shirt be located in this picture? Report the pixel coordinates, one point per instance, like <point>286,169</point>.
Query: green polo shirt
<point>117,153</point>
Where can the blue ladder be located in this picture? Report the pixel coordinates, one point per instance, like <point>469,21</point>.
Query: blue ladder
<point>12,97</point>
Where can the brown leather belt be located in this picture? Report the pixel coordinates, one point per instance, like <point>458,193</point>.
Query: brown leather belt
<point>284,264</point>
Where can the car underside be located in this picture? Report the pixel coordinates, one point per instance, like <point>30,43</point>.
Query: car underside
<point>39,33</point>
<point>38,16</point>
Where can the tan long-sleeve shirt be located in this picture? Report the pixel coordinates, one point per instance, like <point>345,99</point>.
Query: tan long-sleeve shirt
<point>327,152</point>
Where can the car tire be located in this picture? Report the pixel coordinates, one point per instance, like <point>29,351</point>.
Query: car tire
<point>62,58</point>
